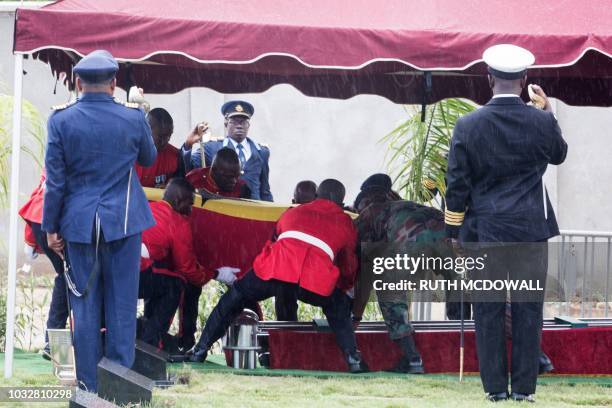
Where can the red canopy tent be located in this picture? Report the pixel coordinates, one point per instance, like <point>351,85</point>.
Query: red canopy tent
<point>417,51</point>
<point>335,49</point>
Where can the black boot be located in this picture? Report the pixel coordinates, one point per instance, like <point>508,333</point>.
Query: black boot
<point>264,359</point>
<point>409,366</point>
<point>546,366</point>
<point>355,362</point>
<point>411,362</point>
<point>46,353</point>
<point>197,354</point>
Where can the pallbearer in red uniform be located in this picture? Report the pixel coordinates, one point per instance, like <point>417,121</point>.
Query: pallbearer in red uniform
<point>169,161</point>
<point>222,177</point>
<point>286,307</point>
<point>313,257</point>
<point>168,260</point>
<point>36,242</point>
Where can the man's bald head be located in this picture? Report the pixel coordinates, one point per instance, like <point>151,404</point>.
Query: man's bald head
<point>333,190</point>
<point>305,192</point>
<point>225,169</point>
<point>179,194</point>
<point>226,155</point>
<point>162,126</point>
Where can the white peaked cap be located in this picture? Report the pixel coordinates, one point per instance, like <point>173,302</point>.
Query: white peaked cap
<point>508,61</point>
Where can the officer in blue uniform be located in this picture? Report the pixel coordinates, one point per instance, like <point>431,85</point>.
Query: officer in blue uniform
<point>495,195</point>
<point>95,207</point>
<point>253,156</point>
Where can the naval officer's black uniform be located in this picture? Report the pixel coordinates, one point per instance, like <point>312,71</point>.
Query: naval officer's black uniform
<point>495,194</point>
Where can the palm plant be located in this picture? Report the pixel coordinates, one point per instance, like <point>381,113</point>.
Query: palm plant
<point>417,151</point>
<point>33,144</point>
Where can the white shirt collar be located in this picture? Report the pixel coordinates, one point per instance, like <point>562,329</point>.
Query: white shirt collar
<point>245,144</point>
<point>505,96</point>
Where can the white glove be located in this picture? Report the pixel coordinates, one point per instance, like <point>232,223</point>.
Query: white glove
<point>144,252</point>
<point>29,252</point>
<point>227,274</point>
<point>137,96</point>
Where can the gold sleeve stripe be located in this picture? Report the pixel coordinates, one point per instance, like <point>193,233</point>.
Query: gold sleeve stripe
<point>454,218</point>
<point>454,213</point>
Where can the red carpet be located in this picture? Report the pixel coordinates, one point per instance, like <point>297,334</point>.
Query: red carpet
<point>572,351</point>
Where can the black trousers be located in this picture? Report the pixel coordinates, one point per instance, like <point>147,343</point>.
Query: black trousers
<point>513,262</point>
<point>189,315</point>
<point>453,310</point>
<point>336,307</point>
<point>286,306</point>
<point>161,294</point>
<point>58,309</point>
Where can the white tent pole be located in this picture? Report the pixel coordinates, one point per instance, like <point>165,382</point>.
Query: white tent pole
<point>14,195</point>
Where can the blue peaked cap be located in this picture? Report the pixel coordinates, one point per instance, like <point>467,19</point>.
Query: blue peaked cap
<point>97,66</point>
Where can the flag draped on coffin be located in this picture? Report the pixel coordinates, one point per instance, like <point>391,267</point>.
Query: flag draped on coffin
<point>229,232</point>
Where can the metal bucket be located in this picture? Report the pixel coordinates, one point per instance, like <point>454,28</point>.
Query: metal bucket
<point>62,355</point>
<point>241,340</point>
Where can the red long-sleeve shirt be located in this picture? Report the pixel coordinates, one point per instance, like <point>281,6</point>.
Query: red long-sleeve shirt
<point>32,211</point>
<point>162,170</point>
<point>170,246</point>
<point>295,261</point>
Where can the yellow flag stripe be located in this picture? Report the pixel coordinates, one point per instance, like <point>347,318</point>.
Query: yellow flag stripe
<point>247,209</point>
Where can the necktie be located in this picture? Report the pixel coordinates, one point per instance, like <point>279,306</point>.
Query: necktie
<point>241,155</point>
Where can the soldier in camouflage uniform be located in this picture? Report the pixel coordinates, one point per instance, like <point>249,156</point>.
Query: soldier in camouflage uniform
<point>403,227</point>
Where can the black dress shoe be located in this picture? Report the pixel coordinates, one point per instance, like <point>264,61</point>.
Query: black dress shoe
<point>546,365</point>
<point>497,396</point>
<point>355,363</point>
<point>517,396</point>
<point>197,355</point>
<point>264,359</point>
<point>186,343</point>
<point>409,366</point>
<point>46,352</point>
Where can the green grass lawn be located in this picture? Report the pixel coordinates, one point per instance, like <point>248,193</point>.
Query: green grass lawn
<point>222,389</point>
<point>213,385</point>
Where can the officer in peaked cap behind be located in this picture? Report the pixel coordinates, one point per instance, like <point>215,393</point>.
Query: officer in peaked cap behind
<point>495,197</point>
<point>95,210</point>
<point>253,156</point>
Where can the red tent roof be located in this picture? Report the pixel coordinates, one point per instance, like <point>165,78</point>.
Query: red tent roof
<point>331,48</point>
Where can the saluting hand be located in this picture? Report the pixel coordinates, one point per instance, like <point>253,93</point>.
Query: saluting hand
<point>537,89</point>
<point>56,243</point>
<point>196,134</point>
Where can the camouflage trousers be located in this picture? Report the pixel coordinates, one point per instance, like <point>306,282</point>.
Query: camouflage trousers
<point>397,318</point>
